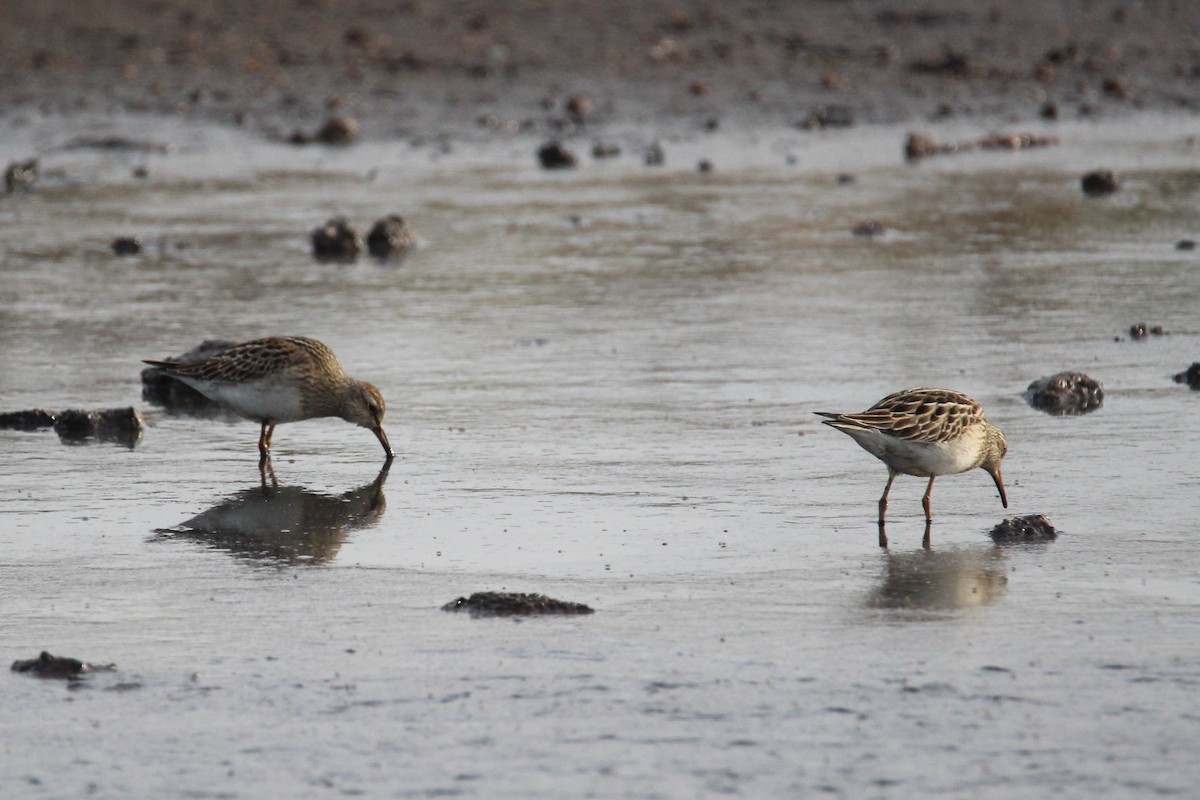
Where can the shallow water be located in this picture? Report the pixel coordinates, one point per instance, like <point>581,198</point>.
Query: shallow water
<point>601,386</point>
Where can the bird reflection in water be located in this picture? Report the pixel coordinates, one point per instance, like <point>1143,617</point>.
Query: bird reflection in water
<point>286,524</point>
<point>941,580</point>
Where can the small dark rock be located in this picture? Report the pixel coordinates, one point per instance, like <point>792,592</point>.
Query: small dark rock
<point>655,156</point>
<point>31,420</point>
<point>339,130</point>
<point>119,425</point>
<point>126,245</point>
<point>20,176</point>
<point>844,179</point>
<point>869,229</point>
<point>1185,244</point>
<point>1098,183</point>
<point>1065,394</point>
<point>509,604</point>
<point>1116,87</point>
<point>1031,528</point>
<point>337,240</point>
<point>553,155</point>
<point>1190,376</point>
<point>160,389</point>
<point>391,237</point>
<point>704,165</point>
<point>59,667</point>
<point>602,150</point>
<point>579,106</point>
<point>1141,330</point>
<point>1049,110</point>
<point>952,64</point>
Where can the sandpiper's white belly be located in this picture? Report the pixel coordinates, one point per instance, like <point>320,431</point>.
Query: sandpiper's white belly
<point>257,400</point>
<point>923,459</point>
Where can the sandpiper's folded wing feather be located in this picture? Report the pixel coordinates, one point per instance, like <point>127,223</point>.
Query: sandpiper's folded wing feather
<point>251,361</point>
<point>917,415</point>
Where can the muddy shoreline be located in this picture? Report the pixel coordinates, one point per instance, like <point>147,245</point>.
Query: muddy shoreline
<point>420,70</point>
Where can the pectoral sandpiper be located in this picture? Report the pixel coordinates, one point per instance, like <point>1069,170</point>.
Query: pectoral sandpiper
<point>283,379</point>
<point>927,433</point>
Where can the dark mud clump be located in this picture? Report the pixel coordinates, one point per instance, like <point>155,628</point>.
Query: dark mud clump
<point>513,604</point>
<point>655,155</point>
<point>823,117</point>
<point>172,394</point>
<point>554,155</point>
<point>1031,528</point>
<point>1065,394</point>
<point>126,245</point>
<point>123,426</point>
<point>918,145</point>
<point>58,667</point>
<point>391,237</point>
<point>20,176</point>
<point>30,420</point>
<point>335,131</point>
<point>337,240</point>
<point>605,150</point>
<point>1098,183</point>
<point>1141,330</point>
<point>1190,376</point>
<point>869,229</point>
<point>1186,245</point>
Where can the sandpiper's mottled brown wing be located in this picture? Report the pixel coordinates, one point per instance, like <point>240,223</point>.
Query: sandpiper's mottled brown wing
<point>917,415</point>
<point>252,361</point>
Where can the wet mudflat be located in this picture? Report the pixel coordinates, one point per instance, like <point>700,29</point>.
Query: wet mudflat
<point>600,387</point>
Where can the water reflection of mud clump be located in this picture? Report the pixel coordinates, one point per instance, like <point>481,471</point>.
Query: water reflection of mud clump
<point>512,604</point>
<point>122,426</point>
<point>172,394</point>
<point>391,237</point>
<point>1065,394</point>
<point>58,667</point>
<point>1190,376</point>
<point>940,580</point>
<point>286,524</point>
<point>1030,528</point>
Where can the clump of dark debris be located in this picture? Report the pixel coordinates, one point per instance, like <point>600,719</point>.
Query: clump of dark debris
<point>513,604</point>
<point>1141,330</point>
<point>1030,528</point>
<point>1099,183</point>
<point>59,667</point>
<point>123,426</point>
<point>1065,394</point>
<point>337,240</point>
<point>1190,376</point>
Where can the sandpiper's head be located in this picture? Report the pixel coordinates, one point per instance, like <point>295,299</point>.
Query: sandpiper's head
<point>994,450</point>
<point>365,407</point>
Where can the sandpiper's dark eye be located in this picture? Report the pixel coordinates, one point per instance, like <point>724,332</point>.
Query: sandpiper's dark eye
<point>374,409</point>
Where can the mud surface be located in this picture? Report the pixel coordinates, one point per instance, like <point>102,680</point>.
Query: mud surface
<point>600,386</point>
<point>431,70</point>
